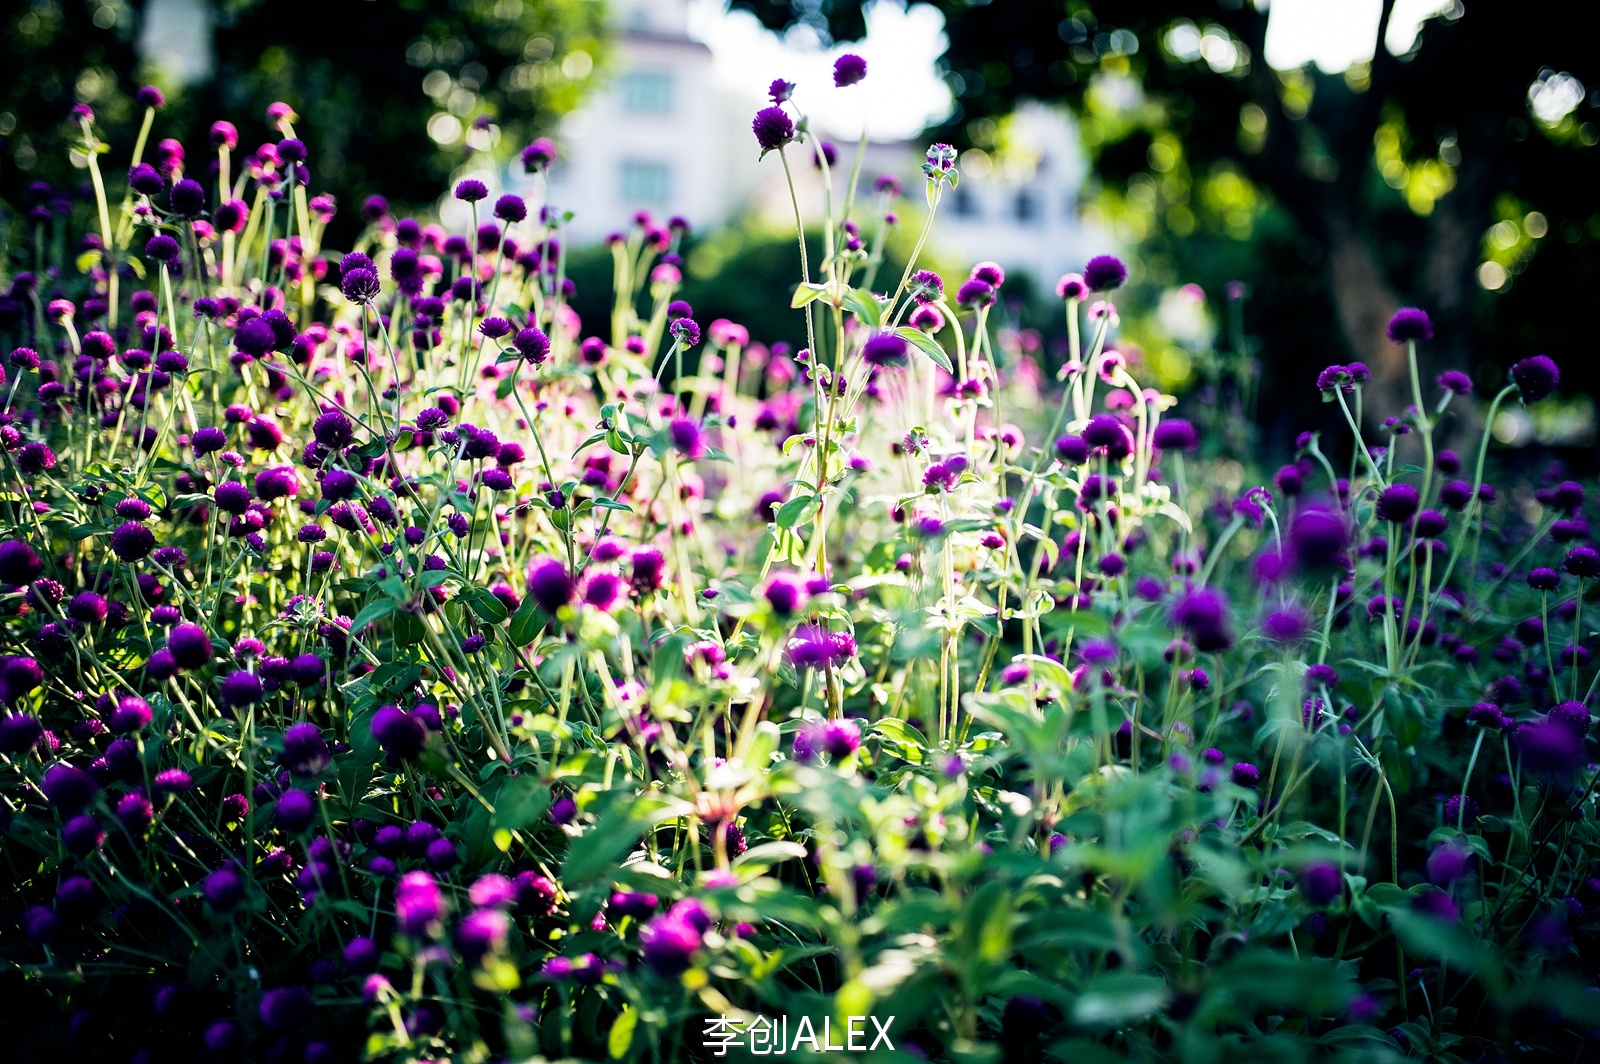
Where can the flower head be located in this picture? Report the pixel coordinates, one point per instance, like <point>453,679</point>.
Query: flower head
<point>848,70</point>
<point>1105,273</point>
<point>1409,325</point>
<point>1536,377</point>
<point>773,128</point>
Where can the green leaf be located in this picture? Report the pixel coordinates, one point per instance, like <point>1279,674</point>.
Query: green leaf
<point>925,343</point>
<point>864,305</point>
<point>373,611</point>
<point>486,606</point>
<point>621,1036</point>
<point>521,802</point>
<point>806,293</point>
<point>526,622</point>
<point>408,630</point>
<point>790,513</point>
<point>603,845</point>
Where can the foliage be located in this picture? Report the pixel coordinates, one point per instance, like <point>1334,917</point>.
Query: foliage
<point>366,79</point>
<point>1374,186</point>
<point>396,669</point>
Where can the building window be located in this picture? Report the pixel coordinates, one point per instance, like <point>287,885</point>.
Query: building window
<point>647,92</point>
<point>1025,207</point>
<point>645,183</point>
<point>966,206</point>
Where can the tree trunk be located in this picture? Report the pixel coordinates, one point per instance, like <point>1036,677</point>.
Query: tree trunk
<point>1363,303</point>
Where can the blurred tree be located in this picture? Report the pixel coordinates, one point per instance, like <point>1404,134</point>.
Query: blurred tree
<point>1457,176</point>
<point>392,96</point>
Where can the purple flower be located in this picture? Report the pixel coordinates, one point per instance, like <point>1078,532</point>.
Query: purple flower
<point>1543,579</point>
<point>132,541</point>
<point>333,429</point>
<point>848,70</point>
<point>669,944</point>
<point>240,689</point>
<point>1398,503</point>
<point>1409,325</point>
<point>685,332</point>
<point>974,294</point>
<point>132,713</point>
<point>223,889</point>
<point>471,190</point>
<point>1175,434</point>
<point>1288,625</point>
<point>538,155</point>
<point>780,91</point>
<point>1246,775</point>
<point>885,349</point>
<point>19,563</point>
<point>359,285</point>
<point>509,208</point>
<point>401,734</point>
<point>162,248</point>
<point>1455,382</point>
<point>1582,562</point>
<point>550,584</point>
<point>1105,273</point>
<point>687,437</point>
<point>286,1008</point>
<point>773,128</point>
<point>1536,377</point>
<point>1203,614</point>
<point>295,811</point>
<point>532,344</point>
<point>305,753</point>
<point>1321,882</point>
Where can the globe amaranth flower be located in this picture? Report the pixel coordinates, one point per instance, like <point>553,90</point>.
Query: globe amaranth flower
<point>780,91</point>
<point>1536,377</point>
<point>940,163</point>
<point>1398,503</point>
<point>532,344</point>
<point>989,273</point>
<point>131,714</point>
<point>974,294</point>
<point>1455,382</point>
<point>926,287</point>
<point>1105,273</point>
<point>773,128</point>
<point>1203,614</point>
<point>685,332</point>
<point>687,437</point>
<point>305,752</point>
<point>1409,325</point>
<point>471,190</point>
<point>333,429</point>
<point>669,944</point>
<point>1544,579</point>
<point>510,208</point>
<point>538,155</point>
<point>145,180</point>
<point>132,541</point>
<point>162,248</point>
<point>1287,625</point>
<point>1582,562</point>
<point>886,350</point>
<point>187,198</point>
<point>1321,882</point>
<point>849,70</point>
<point>1175,434</point>
<point>19,563</point>
<point>811,646</point>
<point>550,584</point>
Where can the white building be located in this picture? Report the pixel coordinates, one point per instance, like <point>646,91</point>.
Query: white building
<point>660,134</point>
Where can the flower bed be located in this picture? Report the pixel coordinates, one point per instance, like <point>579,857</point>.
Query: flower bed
<point>398,667</point>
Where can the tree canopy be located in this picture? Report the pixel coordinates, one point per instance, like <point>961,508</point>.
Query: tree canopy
<point>1456,176</point>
